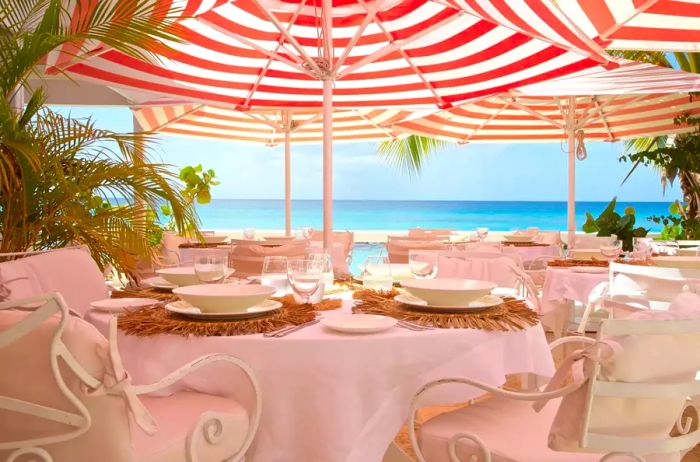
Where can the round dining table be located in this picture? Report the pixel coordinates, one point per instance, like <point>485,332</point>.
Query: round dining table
<point>334,397</point>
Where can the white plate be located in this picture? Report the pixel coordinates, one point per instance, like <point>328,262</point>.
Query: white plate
<point>588,269</point>
<point>359,323</point>
<point>482,303</point>
<point>188,310</point>
<point>158,282</point>
<point>116,305</point>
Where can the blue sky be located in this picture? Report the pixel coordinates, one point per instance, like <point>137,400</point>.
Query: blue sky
<point>460,172</point>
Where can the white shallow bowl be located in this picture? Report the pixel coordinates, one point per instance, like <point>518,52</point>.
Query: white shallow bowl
<point>358,323</point>
<point>261,309</point>
<point>116,305</point>
<point>586,254</point>
<point>215,239</point>
<point>399,271</point>
<point>487,301</point>
<point>224,298</point>
<point>183,275</point>
<point>519,237</point>
<point>448,291</point>
<point>677,262</point>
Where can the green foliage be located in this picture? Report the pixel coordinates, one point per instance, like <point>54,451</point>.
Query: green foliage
<point>677,224</point>
<point>198,183</point>
<point>410,153</point>
<point>610,222</point>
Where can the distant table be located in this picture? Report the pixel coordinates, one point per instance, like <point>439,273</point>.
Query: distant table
<point>335,397</point>
<point>188,254</point>
<point>531,253</point>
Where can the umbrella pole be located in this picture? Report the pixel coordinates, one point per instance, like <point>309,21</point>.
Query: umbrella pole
<point>287,185</point>
<point>571,205</point>
<point>327,162</point>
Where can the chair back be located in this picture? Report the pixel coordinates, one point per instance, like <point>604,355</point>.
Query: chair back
<point>482,246</point>
<point>549,237</point>
<point>52,365</point>
<point>341,248</point>
<point>651,283</point>
<point>247,259</point>
<point>500,269</point>
<point>398,249</point>
<point>590,241</point>
<point>430,234</point>
<point>637,382</point>
<point>72,272</point>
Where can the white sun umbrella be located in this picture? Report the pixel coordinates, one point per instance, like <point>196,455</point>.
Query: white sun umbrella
<point>632,101</point>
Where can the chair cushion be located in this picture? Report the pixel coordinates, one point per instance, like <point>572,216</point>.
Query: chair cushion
<point>176,416</point>
<point>19,279</point>
<point>511,430</point>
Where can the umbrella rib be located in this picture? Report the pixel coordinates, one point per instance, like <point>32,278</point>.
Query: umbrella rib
<point>617,26</point>
<point>404,55</point>
<point>264,70</point>
<point>176,119</point>
<point>513,102</point>
<point>611,137</point>
<point>386,131</point>
<point>311,119</point>
<point>484,123</point>
<point>290,38</point>
<point>369,17</point>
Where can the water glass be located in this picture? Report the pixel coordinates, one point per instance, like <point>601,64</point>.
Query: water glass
<point>299,234</point>
<point>473,237</point>
<point>611,251</point>
<point>377,274</point>
<point>210,269</point>
<point>423,264</point>
<point>306,231</point>
<point>482,233</point>
<point>324,256</point>
<point>304,277</point>
<point>249,234</point>
<point>274,274</point>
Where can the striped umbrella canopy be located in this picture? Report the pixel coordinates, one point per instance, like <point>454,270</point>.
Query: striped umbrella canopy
<point>656,25</point>
<point>347,53</point>
<point>632,101</point>
<point>270,127</point>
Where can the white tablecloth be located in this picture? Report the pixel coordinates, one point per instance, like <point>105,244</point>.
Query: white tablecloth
<point>531,253</point>
<point>563,286</point>
<point>330,397</point>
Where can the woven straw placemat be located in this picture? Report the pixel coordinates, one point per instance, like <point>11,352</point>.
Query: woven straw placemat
<point>200,245</point>
<point>597,263</point>
<point>511,315</point>
<point>525,244</point>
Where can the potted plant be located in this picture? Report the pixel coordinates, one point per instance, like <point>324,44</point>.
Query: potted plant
<point>610,222</point>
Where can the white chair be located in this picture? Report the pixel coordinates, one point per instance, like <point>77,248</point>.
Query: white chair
<point>589,241</point>
<point>430,234</point>
<point>480,246</point>
<point>341,249</point>
<point>630,388</point>
<point>549,237</point>
<point>247,259</point>
<point>65,397</point>
<point>70,271</point>
<point>635,287</point>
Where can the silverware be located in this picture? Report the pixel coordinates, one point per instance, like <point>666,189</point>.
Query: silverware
<point>412,326</point>
<point>289,329</point>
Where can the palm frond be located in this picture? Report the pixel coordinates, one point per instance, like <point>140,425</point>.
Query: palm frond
<point>409,154</point>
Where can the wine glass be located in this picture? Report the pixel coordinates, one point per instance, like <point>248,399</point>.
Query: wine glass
<point>304,277</point>
<point>482,233</point>
<point>210,269</point>
<point>274,274</point>
<point>377,274</point>
<point>324,255</point>
<point>423,264</point>
<point>249,234</point>
<point>611,250</point>
<point>306,231</point>
<point>642,247</point>
<point>473,237</point>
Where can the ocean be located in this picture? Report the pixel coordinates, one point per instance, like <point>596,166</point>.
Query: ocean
<point>222,214</point>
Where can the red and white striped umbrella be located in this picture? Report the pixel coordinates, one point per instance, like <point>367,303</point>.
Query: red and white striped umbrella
<point>660,25</point>
<point>347,53</point>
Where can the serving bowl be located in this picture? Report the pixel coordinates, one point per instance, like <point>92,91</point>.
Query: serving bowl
<point>183,275</point>
<point>224,298</point>
<point>448,291</point>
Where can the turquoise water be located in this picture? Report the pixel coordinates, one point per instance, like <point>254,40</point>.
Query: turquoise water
<point>401,215</point>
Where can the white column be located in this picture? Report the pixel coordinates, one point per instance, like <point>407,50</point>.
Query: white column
<point>287,184</point>
<point>571,205</point>
<point>327,163</point>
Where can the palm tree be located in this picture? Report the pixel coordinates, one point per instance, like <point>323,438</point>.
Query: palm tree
<point>62,180</point>
<point>408,155</point>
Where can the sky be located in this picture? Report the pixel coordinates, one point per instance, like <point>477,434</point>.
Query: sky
<point>499,172</point>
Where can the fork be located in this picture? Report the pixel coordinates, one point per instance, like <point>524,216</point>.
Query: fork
<point>412,326</point>
<point>289,329</point>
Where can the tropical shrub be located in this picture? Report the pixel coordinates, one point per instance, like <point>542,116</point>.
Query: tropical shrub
<point>610,222</point>
<point>678,224</point>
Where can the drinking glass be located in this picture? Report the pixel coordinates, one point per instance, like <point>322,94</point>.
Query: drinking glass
<point>423,264</point>
<point>306,231</point>
<point>274,274</point>
<point>304,277</point>
<point>210,269</point>
<point>299,234</point>
<point>377,274</point>
<point>324,255</point>
<point>249,234</point>
<point>482,233</point>
<point>473,237</point>
<point>642,247</point>
<point>611,251</point>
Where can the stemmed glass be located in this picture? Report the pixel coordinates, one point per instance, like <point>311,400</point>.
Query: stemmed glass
<point>249,234</point>
<point>210,269</point>
<point>306,231</point>
<point>612,250</point>
<point>423,264</point>
<point>304,277</point>
<point>326,261</point>
<point>274,274</point>
<point>377,274</point>
<point>482,233</point>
